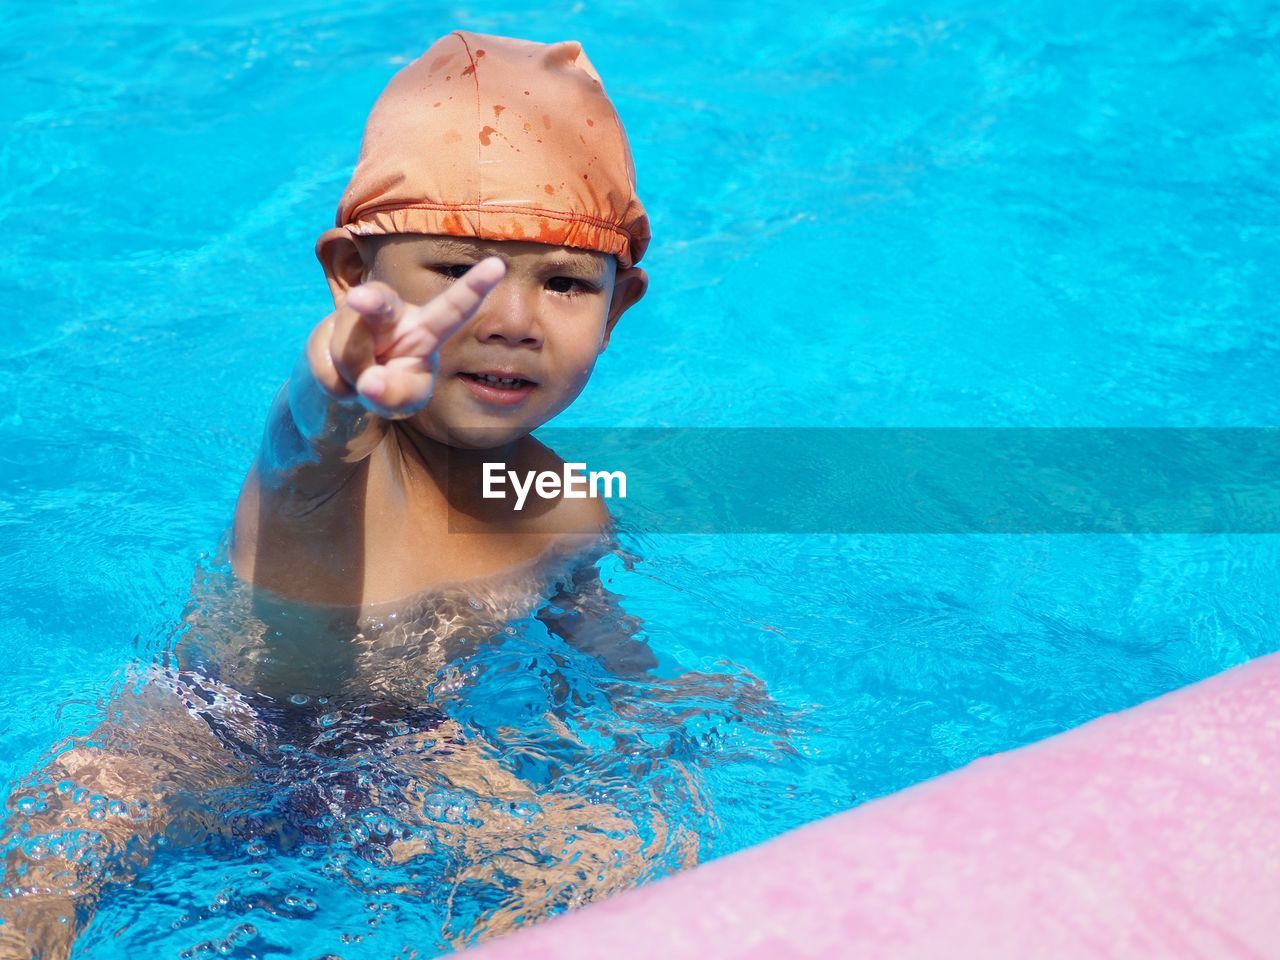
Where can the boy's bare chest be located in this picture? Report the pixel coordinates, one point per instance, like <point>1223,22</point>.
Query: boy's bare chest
<point>389,533</point>
<point>404,536</point>
<point>401,540</point>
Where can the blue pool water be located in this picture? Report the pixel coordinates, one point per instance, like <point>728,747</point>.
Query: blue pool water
<point>887,214</point>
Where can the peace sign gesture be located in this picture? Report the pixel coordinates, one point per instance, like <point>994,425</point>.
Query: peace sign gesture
<point>382,352</point>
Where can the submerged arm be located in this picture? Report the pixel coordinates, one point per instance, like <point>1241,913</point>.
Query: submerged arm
<point>590,619</point>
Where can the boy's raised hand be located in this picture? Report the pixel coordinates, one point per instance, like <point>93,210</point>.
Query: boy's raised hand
<point>383,352</point>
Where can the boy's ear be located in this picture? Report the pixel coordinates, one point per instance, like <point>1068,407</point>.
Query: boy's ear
<point>343,258</point>
<point>629,286</point>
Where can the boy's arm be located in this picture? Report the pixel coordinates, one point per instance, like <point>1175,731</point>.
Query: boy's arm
<point>316,435</point>
<point>589,618</point>
<point>371,361</point>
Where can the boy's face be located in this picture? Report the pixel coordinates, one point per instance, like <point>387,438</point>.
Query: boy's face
<point>544,324</point>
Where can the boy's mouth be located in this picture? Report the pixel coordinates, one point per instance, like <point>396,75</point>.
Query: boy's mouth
<point>503,387</point>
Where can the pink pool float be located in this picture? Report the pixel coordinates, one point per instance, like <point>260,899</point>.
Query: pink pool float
<point>1154,832</point>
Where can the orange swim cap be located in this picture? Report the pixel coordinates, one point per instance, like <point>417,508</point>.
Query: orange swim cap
<point>500,139</point>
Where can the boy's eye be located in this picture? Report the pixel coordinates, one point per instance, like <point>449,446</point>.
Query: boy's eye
<point>569,285</point>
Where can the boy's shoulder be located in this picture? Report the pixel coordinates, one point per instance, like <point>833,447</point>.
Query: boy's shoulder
<point>557,497</point>
<point>527,489</point>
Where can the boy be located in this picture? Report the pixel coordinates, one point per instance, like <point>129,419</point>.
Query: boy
<point>484,251</point>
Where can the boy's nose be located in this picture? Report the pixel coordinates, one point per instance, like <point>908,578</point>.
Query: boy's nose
<point>509,314</point>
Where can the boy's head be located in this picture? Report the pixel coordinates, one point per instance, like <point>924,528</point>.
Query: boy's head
<point>484,146</point>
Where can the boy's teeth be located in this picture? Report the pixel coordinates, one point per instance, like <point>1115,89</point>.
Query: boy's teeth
<point>502,381</point>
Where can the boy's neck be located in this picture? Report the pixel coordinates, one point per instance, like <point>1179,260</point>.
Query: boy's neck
<point>456,469</point>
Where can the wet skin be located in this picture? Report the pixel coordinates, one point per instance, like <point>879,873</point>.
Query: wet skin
<point>347,502</point>
<point>345,510</point>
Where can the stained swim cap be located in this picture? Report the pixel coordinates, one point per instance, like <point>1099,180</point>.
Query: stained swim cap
<point>500,139</point>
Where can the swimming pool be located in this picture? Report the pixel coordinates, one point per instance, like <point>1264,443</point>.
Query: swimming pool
<point>888,215</point>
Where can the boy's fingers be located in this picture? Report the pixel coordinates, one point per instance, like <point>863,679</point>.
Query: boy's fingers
<point>377,304</point>
<point>351,343</point>
<point>399,387</point>
<point>387,349</point>
<point>320,359</point>
<point>421,329</point>
<point>362,327</point>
